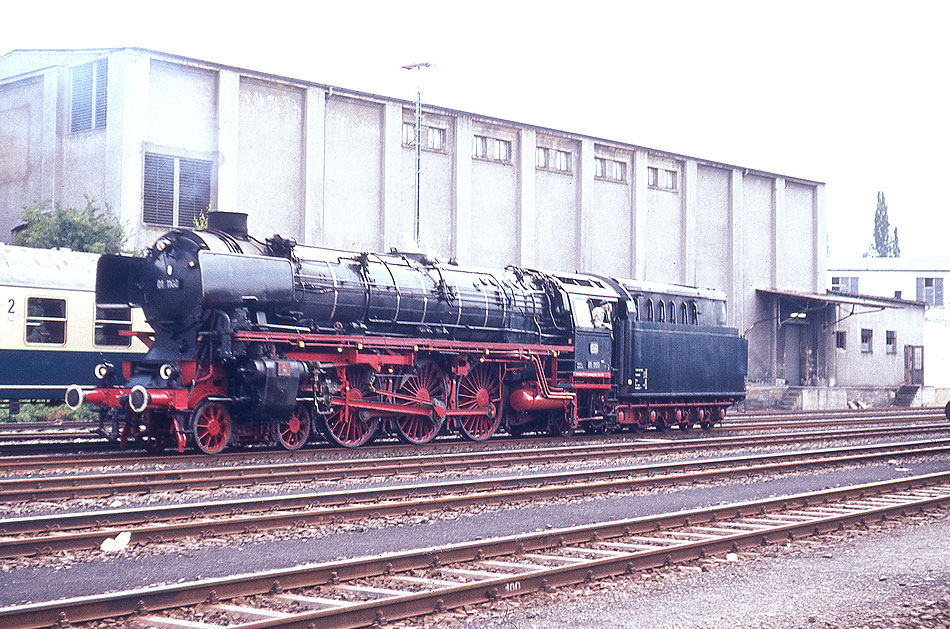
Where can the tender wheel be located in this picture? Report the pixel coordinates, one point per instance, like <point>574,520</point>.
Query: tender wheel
<point>346,426</point>
<point>480,389</point>
<point>294,431</point>
<point>211,424</point>
<point>426,384</point>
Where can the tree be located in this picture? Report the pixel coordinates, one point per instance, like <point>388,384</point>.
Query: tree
<point>895,246</point>
<point>882,232</point>
<point>48,225</point>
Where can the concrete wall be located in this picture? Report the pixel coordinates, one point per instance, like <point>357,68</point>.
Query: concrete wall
<point>21,148</point>
<point>854,367</point>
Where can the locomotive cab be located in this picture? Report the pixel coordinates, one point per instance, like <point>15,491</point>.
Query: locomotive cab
<point>594,309</point>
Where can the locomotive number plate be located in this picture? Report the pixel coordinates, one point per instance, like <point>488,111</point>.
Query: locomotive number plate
<point>167,284</point>
<point>640,379</point>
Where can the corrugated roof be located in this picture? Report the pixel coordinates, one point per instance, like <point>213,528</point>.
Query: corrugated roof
<point>843,298</point>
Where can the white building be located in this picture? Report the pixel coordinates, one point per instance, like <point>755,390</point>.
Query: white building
<point>160,138</point>
<point>919,280</point>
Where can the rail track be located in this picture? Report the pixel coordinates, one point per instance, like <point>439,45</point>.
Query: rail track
<point>65,436</point>
<point>41,535</point>
<point>379,589</point>
<point>35,483</point>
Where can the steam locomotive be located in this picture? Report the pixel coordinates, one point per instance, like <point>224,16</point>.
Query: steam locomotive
<point>271,340</point>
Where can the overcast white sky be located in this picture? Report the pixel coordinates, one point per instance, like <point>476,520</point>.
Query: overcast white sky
<point>855,94</point>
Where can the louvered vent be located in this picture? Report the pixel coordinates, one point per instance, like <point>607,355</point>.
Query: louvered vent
<point>102,80</point>
<point>194,190</point>
<point>81,112</point>
<point>159,198</point>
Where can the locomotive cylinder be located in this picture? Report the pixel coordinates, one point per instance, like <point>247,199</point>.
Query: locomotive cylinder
<point>523,400</point>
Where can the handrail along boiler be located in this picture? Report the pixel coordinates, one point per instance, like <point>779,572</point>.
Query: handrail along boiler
<point>263,340</point>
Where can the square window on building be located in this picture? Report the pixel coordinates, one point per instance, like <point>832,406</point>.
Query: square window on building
<point>844,285</point>
<point>668,179</point>
<point>841,339</point>
<point>652,176</point>
<point>930,291</point>
<point>435,138</point>
<point>408,134</point>
<point>600,167</point>
<point>503,150</point>
<point>176,190</point>
<point>867,337</point>
<point>618,171</point>
<point>890,340</point>
<point>562,161</point>
<point>88,98</point>
<point>542,157</point>
<point>898,294</point>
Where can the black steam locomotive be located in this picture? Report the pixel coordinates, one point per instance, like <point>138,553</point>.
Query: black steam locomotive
<point>264,341</point>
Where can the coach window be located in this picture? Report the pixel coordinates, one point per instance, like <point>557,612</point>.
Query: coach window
<point>635,303</point>
<point>671,311</point>
<point>660,311</point>
<point>111,322</point>
<point>693,313</point>
<point>649,310</point>
<point>45,321</point>
<point>683,316</point>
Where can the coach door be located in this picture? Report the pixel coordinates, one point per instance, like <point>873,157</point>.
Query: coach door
<point>914,364</point>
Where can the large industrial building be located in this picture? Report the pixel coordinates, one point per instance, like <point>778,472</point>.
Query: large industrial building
<point>161,138</point>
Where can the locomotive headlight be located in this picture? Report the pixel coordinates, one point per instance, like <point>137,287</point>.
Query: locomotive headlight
<point>168,371</point>
<point>74,397</point>
<point>139,398</point>
<point>103,371</point>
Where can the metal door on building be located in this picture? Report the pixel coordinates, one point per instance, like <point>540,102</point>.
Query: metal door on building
<point>793,355</point>
<point>914,364</point>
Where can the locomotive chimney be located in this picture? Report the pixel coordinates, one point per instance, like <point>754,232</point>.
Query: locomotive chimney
<point>233,223</point>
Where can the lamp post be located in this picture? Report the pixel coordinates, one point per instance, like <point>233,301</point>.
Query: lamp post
<point>418,143</point>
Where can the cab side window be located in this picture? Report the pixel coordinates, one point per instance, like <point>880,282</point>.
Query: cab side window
<point>45,321</point>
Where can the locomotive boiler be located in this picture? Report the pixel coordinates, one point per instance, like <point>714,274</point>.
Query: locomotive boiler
<point>265,340</point>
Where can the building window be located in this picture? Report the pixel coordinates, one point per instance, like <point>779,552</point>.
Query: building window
<point>930,290</point>
<point>45,321</point>
<point>890,340</point>
<point>176,190</point>
<point>553,159</point>
<point>841,339</point>
<point>668,179</point>
<point>652,176</point>
<point>898,294</point>
<point>113,326</point>
<point>542,157</point>
<point>88,98</point>
<point>434,139</point>
<point>493,149</point>
<point>845,285</point>
<point>610,169</point>
<point>866,338</point>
